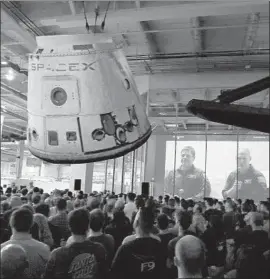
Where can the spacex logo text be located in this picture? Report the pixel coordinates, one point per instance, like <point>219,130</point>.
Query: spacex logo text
<point>62,67</point>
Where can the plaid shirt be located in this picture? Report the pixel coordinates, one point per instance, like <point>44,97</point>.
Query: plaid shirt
<point>60,220</point>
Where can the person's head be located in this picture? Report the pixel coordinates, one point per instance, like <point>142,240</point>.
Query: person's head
<point>197,209</point>
<point>220,206</point>
<point>36,198</point>
<point>256,220</point>
<point>77,203</point>
<point>131,197</point>
<point>24,192</point>
<point>5,206</point>
<point>119,218</point>
<point>8,190</point>
<point>187,156</point>
<point>14,190</point>
<point>139,202</point>
<point>13,184</point>
<point>31,184</point>
<point>119,205</point>
<point>13,261</point>
<point>190,205</point>
<point>15,202</point>
<point>209,203</point>
<point>264,209</point>
<point>70,194</point>
<point>93,203</point>
<point>171,202</point>
<point>61,205</point>
<point>44,209</point>
<point>78,221</point>
<point>189,257</point>
<point>160,198</point>
<point>177,200</point>
<point>183,204</point>
<point>97,220</point>
<point>70,206</point>
<point>239,202</point>
<point>35,190</point>
<point>166,199</point>
<point>184,220</point>
<point>244,159</point>
<point>41,191</point>
<point>21,220</point>
<point>163,222</point>
<point>144,220</point>
<point>229,205</point>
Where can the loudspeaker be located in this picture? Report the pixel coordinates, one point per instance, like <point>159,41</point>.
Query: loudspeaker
<point>145,188</point>
<point>77,184</point>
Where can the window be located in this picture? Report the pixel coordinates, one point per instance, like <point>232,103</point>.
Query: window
<point>71,136</point>
<point>58,96</point>
<point>53,138</point>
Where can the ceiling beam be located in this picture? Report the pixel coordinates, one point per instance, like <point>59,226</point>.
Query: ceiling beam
<point>4,100</point>
<point>13,114</point>
<point>8,23</point>
<point>121,18</point>
<point>138,4</point>
<point>251,31</point>
<point>150,38</point>
<point>203,80</point>
<point>72,7</point>
<point>13,91</point>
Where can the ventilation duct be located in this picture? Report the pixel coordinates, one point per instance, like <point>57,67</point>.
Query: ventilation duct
<point>252,118</point>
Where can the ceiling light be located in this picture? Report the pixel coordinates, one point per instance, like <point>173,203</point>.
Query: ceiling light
<point>9,77</point>
<point>4,62</point>
<point>10,71</point>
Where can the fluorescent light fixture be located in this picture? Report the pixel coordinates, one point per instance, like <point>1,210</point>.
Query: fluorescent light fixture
<point>4,62</point>
<point>171,125</point>
<point>259,137</point>
<point>10,71</point>
<point>9,77</point>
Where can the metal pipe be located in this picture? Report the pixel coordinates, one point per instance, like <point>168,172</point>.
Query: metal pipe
<point>132,172</point>
<point>3,110</point>
<point>114,161</point>
<point>237,175</point>
<point>106,171</point>
<point>13,91</point>
<point>244,91</point>
<point>205,163</point>
<point>123,175</point>
<point>175,150</point>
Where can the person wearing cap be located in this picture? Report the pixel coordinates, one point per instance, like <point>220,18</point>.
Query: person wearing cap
<point>246,180</point>
<point>190,182</point>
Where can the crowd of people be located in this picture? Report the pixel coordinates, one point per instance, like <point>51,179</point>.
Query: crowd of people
<point>125,236</point>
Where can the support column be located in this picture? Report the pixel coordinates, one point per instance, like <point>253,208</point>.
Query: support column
<point>155,163</point>
<point>83,172</point>
<point>2,123</point>
<point>19,159</point>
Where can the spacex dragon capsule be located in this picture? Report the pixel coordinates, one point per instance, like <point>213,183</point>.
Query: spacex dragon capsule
<point>83,103</point>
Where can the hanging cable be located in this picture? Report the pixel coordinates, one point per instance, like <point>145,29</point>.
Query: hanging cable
<point>103,22</point>
<point>85,17</point>
<point>96,16</point>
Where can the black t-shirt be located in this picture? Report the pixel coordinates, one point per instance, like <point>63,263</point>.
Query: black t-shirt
<point>141,258</point>
<point>108,243</point>
<point>259,239</point>
<point>85,260</point>
<point>165,239</point>
<point>212,211</point>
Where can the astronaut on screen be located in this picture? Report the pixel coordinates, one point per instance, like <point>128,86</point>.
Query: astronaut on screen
<point>251,182</point>
<point>189,180</point>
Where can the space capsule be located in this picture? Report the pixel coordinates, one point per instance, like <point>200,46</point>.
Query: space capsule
<point>83,103</point>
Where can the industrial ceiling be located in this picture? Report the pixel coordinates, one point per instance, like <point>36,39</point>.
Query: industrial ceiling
<point>177,50</point>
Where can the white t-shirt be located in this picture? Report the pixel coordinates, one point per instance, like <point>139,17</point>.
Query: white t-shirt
<point>130,207</point>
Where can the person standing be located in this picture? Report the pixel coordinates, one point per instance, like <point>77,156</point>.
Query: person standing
<point>190,182</point>
<point>249,182</point>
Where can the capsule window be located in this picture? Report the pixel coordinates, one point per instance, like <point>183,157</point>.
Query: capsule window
<point>53,138</point>
<point>127,84</point>
<point>58,96</point>
<point>71,136</point>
